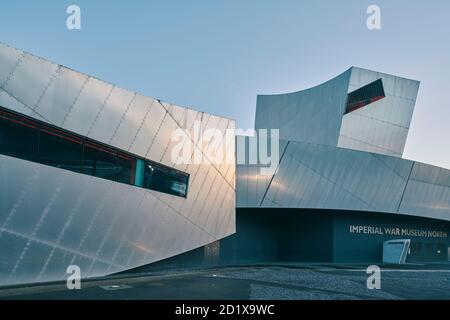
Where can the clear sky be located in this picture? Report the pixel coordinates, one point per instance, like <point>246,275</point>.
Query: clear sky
<point>217,55</point>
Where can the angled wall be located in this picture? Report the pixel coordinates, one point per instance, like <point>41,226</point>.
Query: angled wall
<point>313,115</point>
<point>325,177</point>
<point>382,126</point>
<point>51,218</point>
<point>321,114</point>
<point>341,147</point>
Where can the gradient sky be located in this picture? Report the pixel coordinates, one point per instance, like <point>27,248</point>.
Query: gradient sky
<point>217,55</point>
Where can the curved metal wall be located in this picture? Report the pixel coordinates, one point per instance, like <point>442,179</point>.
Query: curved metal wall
<point>317,115</point>
<point>333,160</point>
<point>313,115</point>
<point>50,218</point>
<point>326,177</point>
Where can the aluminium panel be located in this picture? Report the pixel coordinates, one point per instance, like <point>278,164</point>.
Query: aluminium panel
<point>298,115</point>
<point>132,122</point>
<point>30,80</point>
<point>380,127</point>
<point>10,59</point>
<point>61,95</point>
<point>102,226</point>
<point>91,227</point>
<point>87,106</point>
<point>116,106</point>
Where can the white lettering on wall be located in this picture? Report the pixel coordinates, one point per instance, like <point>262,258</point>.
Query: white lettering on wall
<point>395,231</point>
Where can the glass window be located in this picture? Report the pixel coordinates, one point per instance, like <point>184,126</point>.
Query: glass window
<point>163,179</point>
<point>140,173</point>
<point>33,140</point>
<point>125,169</point>
<point>364,96</point>
<point>60,150</point>
<point>100,162</point>
<point>18,138</point>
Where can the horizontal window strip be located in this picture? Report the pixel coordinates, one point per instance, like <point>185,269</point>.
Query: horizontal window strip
<point>23,137</point>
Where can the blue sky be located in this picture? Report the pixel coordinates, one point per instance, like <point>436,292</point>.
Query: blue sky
<point>216,56</point>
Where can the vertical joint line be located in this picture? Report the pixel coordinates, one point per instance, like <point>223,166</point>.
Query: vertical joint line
<point>406,185</point>
<point>273,176</point>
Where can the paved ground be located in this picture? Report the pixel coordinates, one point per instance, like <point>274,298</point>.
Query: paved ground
<point>285,281</point>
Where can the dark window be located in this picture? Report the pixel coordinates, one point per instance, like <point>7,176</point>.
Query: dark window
<point>60,150</point>
<point>18,138</point>
<point>163,179</point>
<point>416,252</point>
<point>100,162</point>
<point>33,140</point>
<point>365,95</point>
<point>441,252</point>
<point>429,251</point>
<point>125,169</point>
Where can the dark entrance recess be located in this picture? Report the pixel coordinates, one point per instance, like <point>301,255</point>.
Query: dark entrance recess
<point>308,235</point>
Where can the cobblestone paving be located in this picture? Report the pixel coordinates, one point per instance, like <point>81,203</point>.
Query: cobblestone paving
<point>284,283</point>
<point>289,282</point>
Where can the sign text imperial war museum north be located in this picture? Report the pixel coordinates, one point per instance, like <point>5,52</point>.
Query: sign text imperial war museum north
<point>395,231</point>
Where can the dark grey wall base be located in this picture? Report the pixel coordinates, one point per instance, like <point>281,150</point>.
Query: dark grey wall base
<point>305,235</point>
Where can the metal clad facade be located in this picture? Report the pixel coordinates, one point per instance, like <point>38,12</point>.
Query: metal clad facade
<point>380,127</point>
<point>50,218</point>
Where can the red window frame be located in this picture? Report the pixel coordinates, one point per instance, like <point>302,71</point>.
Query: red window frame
<point>61,134</point>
